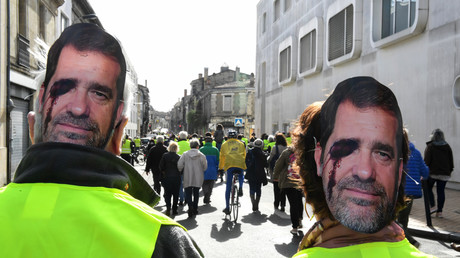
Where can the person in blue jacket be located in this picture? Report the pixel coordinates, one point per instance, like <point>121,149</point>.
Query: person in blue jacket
<point>210,175</point>
<point>415,170</point>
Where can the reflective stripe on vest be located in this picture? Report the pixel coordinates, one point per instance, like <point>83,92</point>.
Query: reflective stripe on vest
<point>126,147</point>
<point>59,220</point>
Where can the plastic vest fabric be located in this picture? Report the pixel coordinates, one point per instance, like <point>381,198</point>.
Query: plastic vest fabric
<point>184,146</point>
<point>126,147</point>
<point>288,141</point>
<point>265,145</point>
<point>137,141</point>
<point>232,154</point>
<point>60,220</point>
<point>367,250</point>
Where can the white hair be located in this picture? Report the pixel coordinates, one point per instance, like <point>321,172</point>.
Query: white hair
<point>183,135</point>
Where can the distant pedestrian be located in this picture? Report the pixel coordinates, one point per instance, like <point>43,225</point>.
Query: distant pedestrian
<point>439,158</point>
<point>288,181</point>
<point>210,175</point>
<point>256,162</point>
<point>415,170</point>
<point>193,164</point>
<point>219,136</point>
<point>153,163</point>
<point>280,146</point>
<point>171,177</point>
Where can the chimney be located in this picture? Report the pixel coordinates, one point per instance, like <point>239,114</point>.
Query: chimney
<point>185,93</point>
<point>200,75</point>
<point>145,83</point>
<point>237,74</point>
<point>205,74</point>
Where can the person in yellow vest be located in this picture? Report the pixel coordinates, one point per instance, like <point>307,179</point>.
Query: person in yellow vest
<point>72,195</point>
<point>232,159</point>
<point>126,149</point>
<point>265,140</point>
<point>352,178</point>
<point>184,146</point>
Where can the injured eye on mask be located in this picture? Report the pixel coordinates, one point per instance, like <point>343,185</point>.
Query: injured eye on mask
<point>343,148</point>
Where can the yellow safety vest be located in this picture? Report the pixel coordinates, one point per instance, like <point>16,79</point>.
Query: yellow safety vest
<point>126,147</point>
<point>60,220</point>
<point>137,142</point>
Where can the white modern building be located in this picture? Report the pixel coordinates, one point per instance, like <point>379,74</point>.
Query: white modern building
<point>306,47</point>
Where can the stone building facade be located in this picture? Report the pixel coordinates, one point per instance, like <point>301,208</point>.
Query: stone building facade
<point>219,98</point>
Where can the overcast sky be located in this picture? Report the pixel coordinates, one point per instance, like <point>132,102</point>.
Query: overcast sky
<point>170,42</point>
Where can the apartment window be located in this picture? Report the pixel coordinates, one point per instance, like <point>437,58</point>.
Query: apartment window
<point>43,14</point>
<point>395,20</point>
<point>310,47</point>
<point>285,64</point>
<point>308,51</point>
<point>23,18</point>
<point>287,5</point>
<point>64,22</point>
<point>397,15</point>
<point>341,33</point>
<point>277,7</point>
<point>264,22</point>
<point>344,31</point>
<point>456,92</point>
<point>227,103</point>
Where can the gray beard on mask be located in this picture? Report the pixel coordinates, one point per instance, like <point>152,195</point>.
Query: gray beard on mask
<point>97,139</point>
<point>373,219</point>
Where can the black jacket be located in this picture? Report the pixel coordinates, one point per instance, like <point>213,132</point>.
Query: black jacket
<point>64,163</point>
<point>439,159</point>
<point>256,162</point>
<point>154,157</point>
<point>168,165</point>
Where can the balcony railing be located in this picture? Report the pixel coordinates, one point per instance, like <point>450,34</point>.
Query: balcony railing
<point>23,51</point>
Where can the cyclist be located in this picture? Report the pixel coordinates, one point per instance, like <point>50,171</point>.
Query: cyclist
<point>232,159</point>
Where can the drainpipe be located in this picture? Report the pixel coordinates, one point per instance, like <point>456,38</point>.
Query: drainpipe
<point>10,104</point>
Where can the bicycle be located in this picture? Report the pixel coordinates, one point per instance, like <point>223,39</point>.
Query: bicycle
<point>234,197</point>
<point>139,157</point>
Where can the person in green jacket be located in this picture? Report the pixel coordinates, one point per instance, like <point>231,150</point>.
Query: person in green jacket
<point>210,175</point>
<point>350,153</point>
<point>72,195</point>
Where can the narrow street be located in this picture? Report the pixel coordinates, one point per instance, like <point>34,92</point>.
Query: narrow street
<point>264,234</point>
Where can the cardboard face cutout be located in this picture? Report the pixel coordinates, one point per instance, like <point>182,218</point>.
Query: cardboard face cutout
<point>360,166</point>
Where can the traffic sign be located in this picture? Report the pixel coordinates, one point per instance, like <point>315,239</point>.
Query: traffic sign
<point>238,122</point>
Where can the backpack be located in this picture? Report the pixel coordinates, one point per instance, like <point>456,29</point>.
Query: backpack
<point>275,158</point>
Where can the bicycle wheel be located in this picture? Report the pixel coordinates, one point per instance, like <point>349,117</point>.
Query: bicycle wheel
<point>141,160</point>
<point>235,204</point>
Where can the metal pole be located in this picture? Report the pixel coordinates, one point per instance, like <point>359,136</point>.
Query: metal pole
<point>8,109</point>
<point>427,203</point>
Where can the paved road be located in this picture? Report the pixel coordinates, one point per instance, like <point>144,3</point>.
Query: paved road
<point>264,234</point>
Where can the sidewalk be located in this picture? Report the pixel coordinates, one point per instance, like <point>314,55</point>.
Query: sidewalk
<point>446,229</point>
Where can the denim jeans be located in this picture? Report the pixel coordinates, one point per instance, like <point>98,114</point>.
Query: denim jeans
<point>230,182</point>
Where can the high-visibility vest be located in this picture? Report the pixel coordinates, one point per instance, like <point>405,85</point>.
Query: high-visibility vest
<point>61,220</point>
<point>126,147</point>
<point>184,146</point>
<point>265,145</point>
<point>137,141</point>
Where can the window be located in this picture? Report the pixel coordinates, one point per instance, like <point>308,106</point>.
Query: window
<point>456,92</point>
<point>287,5</point>
<point>277,8</point>
<point>308,51</point>
<point>341,33</point>
<point>23,18</point>
<point>64,22</point>
<point>227,103</point>
<point>285,62</point>
<point>396,20</point>
<point>310,47</point>
<point>344,31</point>
<point>43,14</point>
<point>264,22</point>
